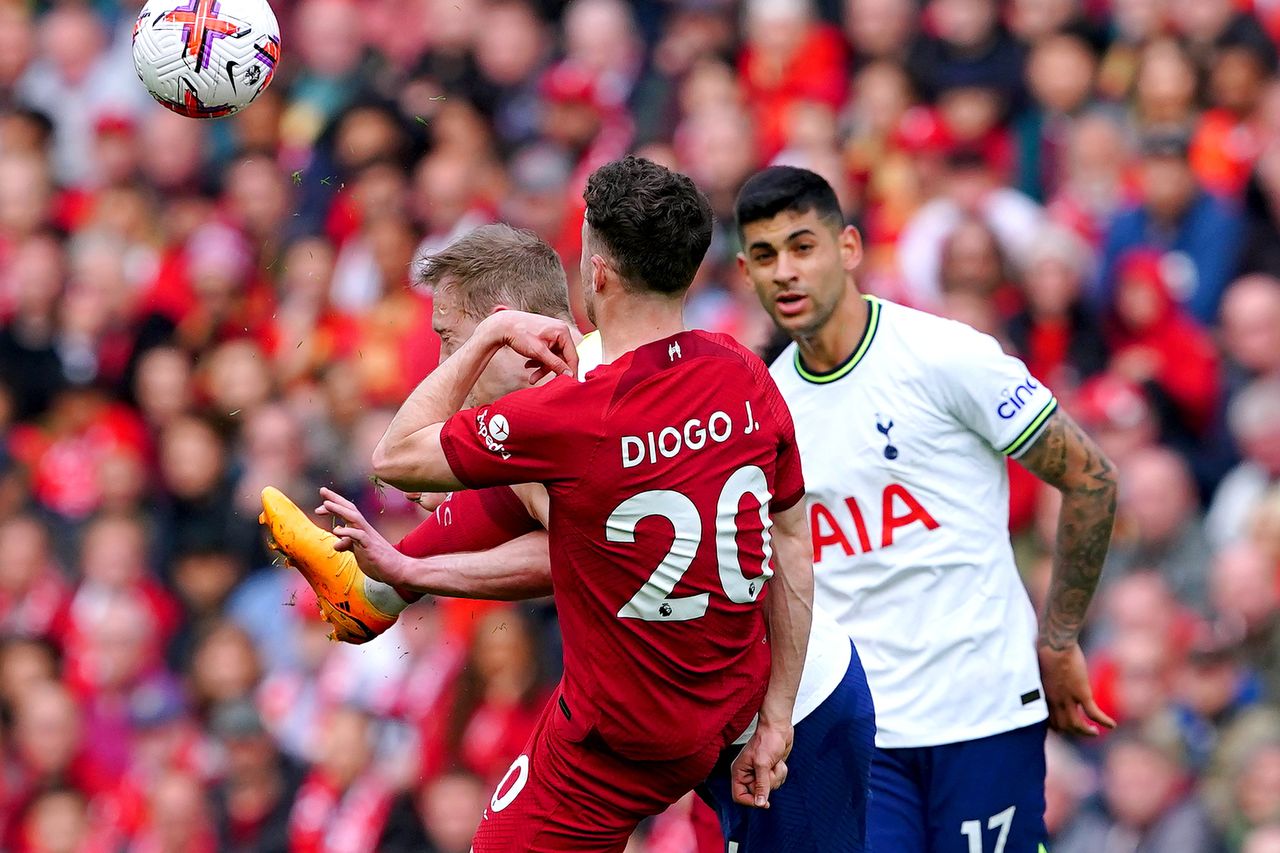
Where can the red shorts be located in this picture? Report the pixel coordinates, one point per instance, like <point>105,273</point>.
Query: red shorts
<point>565,796</point>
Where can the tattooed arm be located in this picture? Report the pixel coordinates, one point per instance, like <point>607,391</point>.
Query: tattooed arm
<point>1067,459</point>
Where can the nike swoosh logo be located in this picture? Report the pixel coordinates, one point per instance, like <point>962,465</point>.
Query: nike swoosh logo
<point>231,67</point>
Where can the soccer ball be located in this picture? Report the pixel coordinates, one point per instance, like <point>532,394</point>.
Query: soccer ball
<point>206,58</point>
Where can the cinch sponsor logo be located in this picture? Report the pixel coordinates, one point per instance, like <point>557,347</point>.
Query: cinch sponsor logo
<point>1015,399</point>
<point>898,509</point>
<point>490,429</point>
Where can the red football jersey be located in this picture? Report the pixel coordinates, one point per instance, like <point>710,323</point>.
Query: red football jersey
<point>662,469</point>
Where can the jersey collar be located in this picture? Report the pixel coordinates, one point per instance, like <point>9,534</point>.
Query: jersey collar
<point>846,367</point>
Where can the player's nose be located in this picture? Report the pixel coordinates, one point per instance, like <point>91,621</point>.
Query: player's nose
<point>784,270</point>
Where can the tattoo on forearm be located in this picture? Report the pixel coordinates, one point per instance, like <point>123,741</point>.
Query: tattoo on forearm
<point>1066,458</point>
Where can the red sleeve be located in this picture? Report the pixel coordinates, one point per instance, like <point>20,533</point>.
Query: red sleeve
<point>470,521</point>
<point>788,486</point>
<point>536,435</point>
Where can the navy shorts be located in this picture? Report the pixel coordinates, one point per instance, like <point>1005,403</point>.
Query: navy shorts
<point>977,796</point>
<point>822,807</point>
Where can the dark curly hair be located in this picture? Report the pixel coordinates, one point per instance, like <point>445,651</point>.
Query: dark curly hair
<point>653,223</point>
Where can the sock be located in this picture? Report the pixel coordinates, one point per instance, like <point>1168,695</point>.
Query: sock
<point>385,597</point>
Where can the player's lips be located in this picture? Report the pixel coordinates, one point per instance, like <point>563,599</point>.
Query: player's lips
<point>791,304</point>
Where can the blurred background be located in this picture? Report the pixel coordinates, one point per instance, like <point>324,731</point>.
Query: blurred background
<point>190,311</point>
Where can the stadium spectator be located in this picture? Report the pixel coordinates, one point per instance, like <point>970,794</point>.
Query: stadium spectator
<point>1145,799</point>
<point>1238,79</point>
<point>1159,526</point>
<point>1210,26</point>
<point>1243,591</point>
<point>1094,183</point>
<point>1055,333</point>
<point>1165,86</point>
<point>1251,329</point>
<point>789,58</point>
<point>1254,418</point>
<point>56,821</point>
<point>253,800</point>
<point>971,188</point>
<point>880,29</point>
<point>33,592</point>
<point>1198,232</point>
<point>1060,74</point>
<point>1156,345</point>
<point>343,803</point>
<point>1213,689</point>
<point>496,701</point>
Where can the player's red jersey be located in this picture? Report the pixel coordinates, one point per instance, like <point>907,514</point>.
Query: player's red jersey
<point>662,469</point>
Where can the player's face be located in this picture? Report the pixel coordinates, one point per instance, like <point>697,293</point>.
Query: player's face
<point>505,372</point>
<point>799,266</point>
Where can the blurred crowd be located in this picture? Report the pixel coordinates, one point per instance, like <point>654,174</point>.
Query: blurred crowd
<point>190,311</point>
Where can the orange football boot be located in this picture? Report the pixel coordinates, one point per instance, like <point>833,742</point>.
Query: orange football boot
<point>334,575</point>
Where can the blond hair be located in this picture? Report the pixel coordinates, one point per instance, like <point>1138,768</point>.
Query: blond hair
<point>499,265</point>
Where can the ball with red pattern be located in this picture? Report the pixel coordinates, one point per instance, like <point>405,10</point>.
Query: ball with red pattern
<point>206,58</point>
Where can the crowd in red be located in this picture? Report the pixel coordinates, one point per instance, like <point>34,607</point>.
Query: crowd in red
<point>190,311</point>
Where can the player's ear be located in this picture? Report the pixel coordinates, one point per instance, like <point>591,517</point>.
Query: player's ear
<point>500,307</point>
<point>599,273</point>
<point>850,248</point>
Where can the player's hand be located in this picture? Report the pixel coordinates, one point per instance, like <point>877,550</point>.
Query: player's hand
<point>761,767</point>
<point>1066,687</point>
<point>377,557</point>
<point>546,343</point>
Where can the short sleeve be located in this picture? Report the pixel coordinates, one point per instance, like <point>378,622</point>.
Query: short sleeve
<point>994,394</point>
<point>532,436</point>
<point>788,487</point>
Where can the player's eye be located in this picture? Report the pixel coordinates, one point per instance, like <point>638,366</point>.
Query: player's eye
<point>762,257</point>
<point>803,248</point>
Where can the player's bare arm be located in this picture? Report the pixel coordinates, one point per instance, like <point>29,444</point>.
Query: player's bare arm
<point>410,456</point>
<point>761,766</point>
<point>1067,459</point>
<point>514,571</point>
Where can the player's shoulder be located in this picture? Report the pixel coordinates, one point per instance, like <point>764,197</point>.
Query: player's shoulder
<point>930,331</point>
<point>724,346</point>
<point>937,344</point>
<point>732,351</point>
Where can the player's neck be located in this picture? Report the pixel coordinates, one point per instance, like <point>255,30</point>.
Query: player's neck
<point>632,323</point>
<point>830,346</point>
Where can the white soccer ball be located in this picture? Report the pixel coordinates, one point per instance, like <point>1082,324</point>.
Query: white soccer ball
<point>206,58</point>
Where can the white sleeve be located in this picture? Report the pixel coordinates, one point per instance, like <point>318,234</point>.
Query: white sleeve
<point>993,393</point>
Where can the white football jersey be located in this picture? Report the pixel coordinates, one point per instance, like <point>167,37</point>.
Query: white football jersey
<point>829,651</point>
<point>904,449</point>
